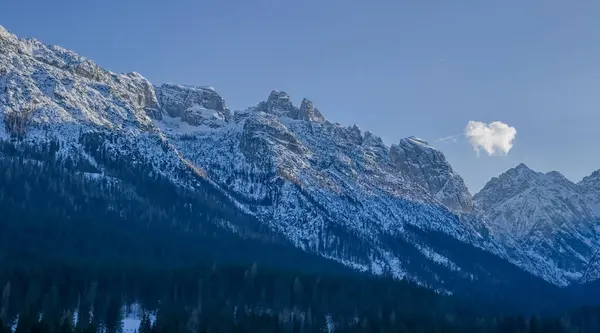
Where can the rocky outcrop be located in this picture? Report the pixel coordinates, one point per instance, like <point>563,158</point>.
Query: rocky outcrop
<point>308,112</point>
<point>144,95</point>
<point>176,99</point>
<point>428,167</point>
<point>280,104</point>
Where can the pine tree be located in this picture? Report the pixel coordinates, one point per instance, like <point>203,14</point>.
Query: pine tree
<point>145,324</point>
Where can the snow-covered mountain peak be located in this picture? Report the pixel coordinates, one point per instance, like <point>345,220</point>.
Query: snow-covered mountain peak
<point>520,170</point>
<point>523,180</point>
<point>522,173</point>
<point>522,185</point>
<point>278,103</point>
<point>523,167</point>
<point>547,214</point>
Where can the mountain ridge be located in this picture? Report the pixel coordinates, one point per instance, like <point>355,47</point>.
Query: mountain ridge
<point>335,191</point>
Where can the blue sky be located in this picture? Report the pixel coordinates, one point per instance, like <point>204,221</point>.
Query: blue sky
<point>396,68</point>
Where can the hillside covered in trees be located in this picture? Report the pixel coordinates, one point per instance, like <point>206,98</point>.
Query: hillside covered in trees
<point>77,249</point>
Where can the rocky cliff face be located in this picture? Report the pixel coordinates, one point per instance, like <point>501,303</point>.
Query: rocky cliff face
<point>428,167</point>
<point>194,105</point>
<point>308,112</point>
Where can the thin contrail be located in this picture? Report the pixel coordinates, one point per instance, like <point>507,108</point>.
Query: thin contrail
<point>449,137</point>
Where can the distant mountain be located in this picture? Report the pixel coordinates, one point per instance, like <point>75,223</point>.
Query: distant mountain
<point>547,216</point>
<point>125,158</point>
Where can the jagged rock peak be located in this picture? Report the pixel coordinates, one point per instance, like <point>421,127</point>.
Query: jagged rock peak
<point>307,105</point>
<point>374,141</point>
<point>353,134</point>
<point>279,103</point>
<point>307,111</point>
<point>429,168</point>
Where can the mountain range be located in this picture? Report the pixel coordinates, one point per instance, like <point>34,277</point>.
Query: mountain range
<point>278,173</point>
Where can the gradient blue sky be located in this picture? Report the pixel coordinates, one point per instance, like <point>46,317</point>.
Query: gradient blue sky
<point>396,68</point>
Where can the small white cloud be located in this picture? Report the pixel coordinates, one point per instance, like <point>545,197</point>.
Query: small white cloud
<point>495,137</point>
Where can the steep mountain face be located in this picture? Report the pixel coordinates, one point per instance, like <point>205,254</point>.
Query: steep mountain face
<point>275,173</point>
<point>545,215</point>
<point>428,167</point>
